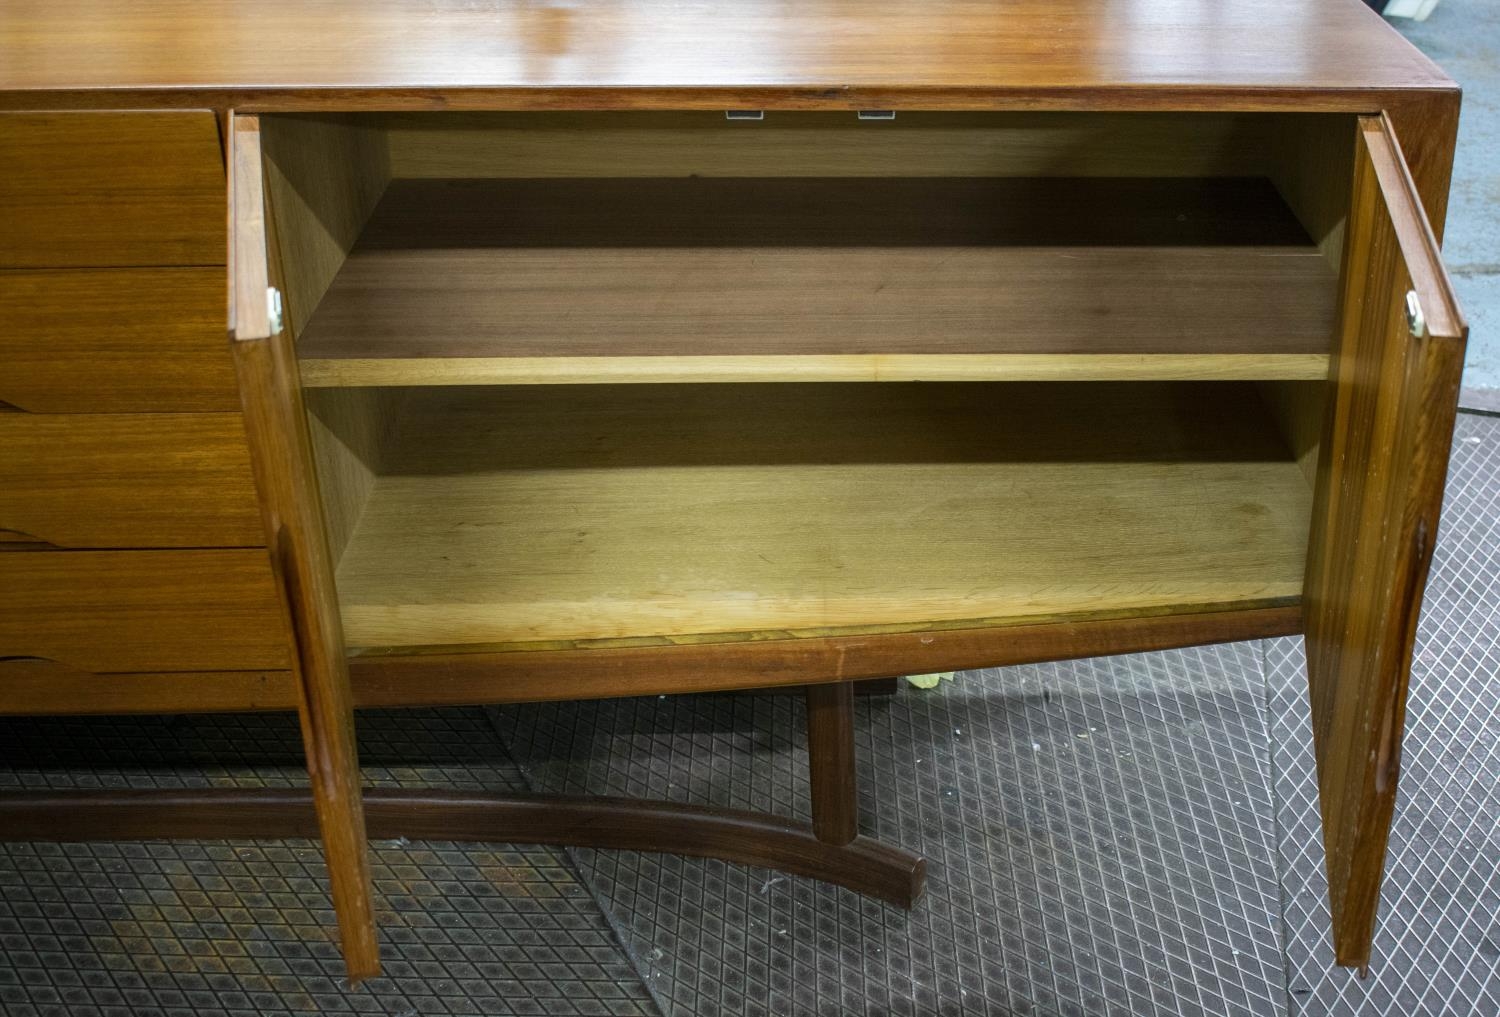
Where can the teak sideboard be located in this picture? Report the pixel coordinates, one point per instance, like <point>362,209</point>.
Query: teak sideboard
<point>633,347</point>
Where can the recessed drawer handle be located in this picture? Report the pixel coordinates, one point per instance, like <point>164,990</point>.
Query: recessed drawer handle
<point>29,665</point>
<point>20,540</point>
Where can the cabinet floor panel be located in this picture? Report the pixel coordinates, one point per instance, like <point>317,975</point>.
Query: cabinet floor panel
<point>517,516</point>
<point>528,281</point>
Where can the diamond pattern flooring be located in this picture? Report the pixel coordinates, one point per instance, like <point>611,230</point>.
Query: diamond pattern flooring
<point>1437,944</point>
<point>211,928</point>
<point>1098,835</point>
<point>1133,835</point>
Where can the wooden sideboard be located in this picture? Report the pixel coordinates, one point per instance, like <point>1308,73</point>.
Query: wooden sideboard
<point>631,347</point>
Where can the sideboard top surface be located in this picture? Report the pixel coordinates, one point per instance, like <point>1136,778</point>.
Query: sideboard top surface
<point>272,55</point>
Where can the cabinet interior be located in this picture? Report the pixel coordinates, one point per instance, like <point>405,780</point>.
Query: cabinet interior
<point>545,359</point>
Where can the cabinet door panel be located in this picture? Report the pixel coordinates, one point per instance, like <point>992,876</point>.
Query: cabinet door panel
<point>280,451</point>
<point>1394,389</point>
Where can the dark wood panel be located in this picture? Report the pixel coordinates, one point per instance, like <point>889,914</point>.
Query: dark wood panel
<point>423,680</point>
<point>830,762</point>
<point>97,189</point>
<point>106,611</point>
<point>1375,519</point>
<point>660,52</point>
<point>292,513</point>
<point>418,679</point>
<point>834,267</point>
<point>820,212</point>
<point>115,341</point>
<point>128,480</point>
<point>749,838</point>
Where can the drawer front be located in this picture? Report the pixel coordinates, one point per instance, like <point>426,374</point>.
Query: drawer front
<point>142,611</point>
<point>93,189</point>
<point>115,341</point>
<point>128,480</point>
<point>32,687</point>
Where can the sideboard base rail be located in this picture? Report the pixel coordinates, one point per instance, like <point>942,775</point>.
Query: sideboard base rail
<point>750,838</point>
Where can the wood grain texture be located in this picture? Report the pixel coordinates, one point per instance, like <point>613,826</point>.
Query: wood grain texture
<point>142,610</point>
<point>102,189</point>
<point>291,509</point>
<point>857,269</point>
<point>830,762</point>
<point>115,341</point>
<point>1309,159</point>
<point>345,374</point>
<point>1379,492</point>
<point>383,681</point>
<point>750,838</point>
<point>704,143</point>
<point>506,515</point>
<point>33,687</point>
<point>662,667</point>
<point>128,480</point>
<point>323,177</point>
<point>348,428</point>
<point>1299,409</point>
<point>664,54</point>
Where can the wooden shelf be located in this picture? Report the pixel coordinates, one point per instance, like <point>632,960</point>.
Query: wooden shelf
<point>511,517</point>
<point>534,281</point>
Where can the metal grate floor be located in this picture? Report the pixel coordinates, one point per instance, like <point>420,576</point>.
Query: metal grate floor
<point>1133,835</point>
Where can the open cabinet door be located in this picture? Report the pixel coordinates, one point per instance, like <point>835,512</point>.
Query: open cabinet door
<point>1394,391</point>
<point>265,360</point>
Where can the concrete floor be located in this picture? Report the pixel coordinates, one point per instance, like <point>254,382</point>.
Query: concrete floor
<point>1464,37</point>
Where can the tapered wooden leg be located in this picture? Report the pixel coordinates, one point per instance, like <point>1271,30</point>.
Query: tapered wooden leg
<point>830,749</point>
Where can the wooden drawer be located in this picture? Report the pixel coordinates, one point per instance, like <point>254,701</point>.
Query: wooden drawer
<point>32,687</point>
<point>105,611</point>
<point>91,189</point>
<point>128,480</point>
<point>115,340</point>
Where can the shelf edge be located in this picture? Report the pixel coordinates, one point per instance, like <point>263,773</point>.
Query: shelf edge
<point>382,372</point>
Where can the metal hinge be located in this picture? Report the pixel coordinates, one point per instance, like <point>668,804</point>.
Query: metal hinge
<point>273,309</point>
<point>1416,321</point>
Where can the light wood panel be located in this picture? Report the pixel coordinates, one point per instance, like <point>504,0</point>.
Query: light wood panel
<point>323,176</point>
<point>128,480</point>
<point>508,515</point>
<point>683,144</point>
<point>862,273</point>
<point>1379,493</point>
<point>348,428</point>
<point>105,611</point>
<point>115,341</point>
<point>342,374</point>
<point>1299,407</point>
<point>95,189</point>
